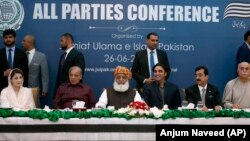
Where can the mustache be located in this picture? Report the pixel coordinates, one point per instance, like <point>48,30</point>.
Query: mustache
<point>198,80</point>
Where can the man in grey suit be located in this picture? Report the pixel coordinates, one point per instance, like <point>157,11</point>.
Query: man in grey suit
<point>38,67</point>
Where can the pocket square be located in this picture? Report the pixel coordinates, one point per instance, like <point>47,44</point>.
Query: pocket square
<point>35,64</point>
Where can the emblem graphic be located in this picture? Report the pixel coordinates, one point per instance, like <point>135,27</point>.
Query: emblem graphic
<point>237,9</point>
<point>11,15</point>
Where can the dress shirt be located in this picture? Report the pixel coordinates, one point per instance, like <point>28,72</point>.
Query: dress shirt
<point>30,55</point>
<point>200,89</point>
<point>67,51</point>
<point>155,59</point>
<point>68,92</point>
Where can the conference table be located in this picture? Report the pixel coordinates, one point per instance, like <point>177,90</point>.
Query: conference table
<point>98,128</point>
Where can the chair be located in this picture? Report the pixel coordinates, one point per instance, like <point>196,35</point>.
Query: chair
<point>183,94</point>
<point>35,92</point>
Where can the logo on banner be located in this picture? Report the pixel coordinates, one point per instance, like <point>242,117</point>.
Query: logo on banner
<point>11,15</point>
<point>237,9</point>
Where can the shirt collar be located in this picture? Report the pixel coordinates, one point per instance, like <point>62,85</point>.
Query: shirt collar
<point>200,87</point>
<point>148,50</point>
<point>247,45</point>
<point>13,48</point>
<point>32,51</point>
<point>70,85</point>
<point>68,50</point>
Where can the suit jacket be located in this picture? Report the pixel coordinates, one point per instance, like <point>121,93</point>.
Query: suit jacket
<point>243,54</point>
<point>74,58</point>
<point>212,97</point>
<point>140,69</point>
<point>20,61</point>
<point>38,71</point>
<point>152,96</point>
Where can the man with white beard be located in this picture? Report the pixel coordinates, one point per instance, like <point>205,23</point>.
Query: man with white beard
<point>120,95</point>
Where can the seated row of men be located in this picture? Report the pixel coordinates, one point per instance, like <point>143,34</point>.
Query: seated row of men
<point>159,93</point>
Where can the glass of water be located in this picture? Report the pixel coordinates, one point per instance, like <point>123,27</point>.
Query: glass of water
<point>200,105</point>
<point>184,103</point>
<point>74,103</point>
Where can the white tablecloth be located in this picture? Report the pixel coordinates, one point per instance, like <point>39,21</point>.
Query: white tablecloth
<point>137,129</point>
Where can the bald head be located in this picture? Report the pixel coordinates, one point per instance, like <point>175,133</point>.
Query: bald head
<point>243,70</point>
<point>28,42</point>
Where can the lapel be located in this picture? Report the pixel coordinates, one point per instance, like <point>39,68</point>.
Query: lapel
<point>156,91</point>
<point>69,56</point>
<point>158,55</point>
<point>34,58</point>
<point>197,92</point>
<point>16,55</point>
<point>145,60</point>
<point>209,92</point>
<point>145,55</point>
<point>4,55</point>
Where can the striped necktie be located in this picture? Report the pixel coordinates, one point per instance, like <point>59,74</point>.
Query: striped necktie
<point>10,58</point>
<point>203,94</point>
<point>152,63</point>
<point>63,58</point>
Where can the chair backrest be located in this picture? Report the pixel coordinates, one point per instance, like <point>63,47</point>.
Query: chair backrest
<point>183,94</point>
<point>35,92</point>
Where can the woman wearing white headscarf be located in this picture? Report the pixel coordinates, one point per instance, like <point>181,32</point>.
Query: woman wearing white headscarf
<point>15,95</point>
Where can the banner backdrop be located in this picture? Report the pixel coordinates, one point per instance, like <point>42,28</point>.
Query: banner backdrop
<point>109,32</point>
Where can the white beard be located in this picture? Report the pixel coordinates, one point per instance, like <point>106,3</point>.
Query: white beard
<point>121,87</point>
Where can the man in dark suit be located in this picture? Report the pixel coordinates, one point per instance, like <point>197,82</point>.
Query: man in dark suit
<point>243,53</point>
<point>38,68</point>
<point>161,92</point>
<point>11,57</point>
<point>70,57</point>
<point>203,91</point>
<point>142,67</point>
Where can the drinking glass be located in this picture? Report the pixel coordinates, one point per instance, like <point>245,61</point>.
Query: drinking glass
<point>74,103</point>
<point>184,103</point>
<point>200,105</point>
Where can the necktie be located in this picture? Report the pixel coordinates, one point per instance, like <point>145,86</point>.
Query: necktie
<point>203,95</point>
<point>152,62</point>
<point>10,58</point>
<point>63,59</point>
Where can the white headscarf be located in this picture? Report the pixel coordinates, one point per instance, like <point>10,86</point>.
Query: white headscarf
<point>10,88</point>
<point>23,99</point>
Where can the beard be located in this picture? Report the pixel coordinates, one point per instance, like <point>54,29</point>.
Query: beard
<point>120,87</point>
<point>63,47</point>
<point>9,44</point>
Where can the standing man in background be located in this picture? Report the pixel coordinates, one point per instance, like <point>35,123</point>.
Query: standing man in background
<point>243,53</point>
<point>146,59</point>
<point>38,68</point>
<point>12,57</point>
<point>70,57</point>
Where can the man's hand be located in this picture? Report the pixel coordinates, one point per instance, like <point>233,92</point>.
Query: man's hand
<point>44,94</point>
<point>217,108</point>
<point>7,72</point>
<point>149,80</point>
<point>204,108</point>
<point>235,106</point>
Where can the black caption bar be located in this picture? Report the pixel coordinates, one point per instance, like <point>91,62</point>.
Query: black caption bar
<point>231,132</point>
